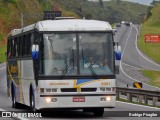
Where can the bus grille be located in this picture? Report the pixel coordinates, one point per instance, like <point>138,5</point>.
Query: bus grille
<point>75,89</point>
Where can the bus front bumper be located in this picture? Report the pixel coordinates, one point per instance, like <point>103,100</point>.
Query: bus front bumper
<point>77,101</point>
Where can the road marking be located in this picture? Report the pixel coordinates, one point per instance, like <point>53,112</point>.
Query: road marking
<point>140,52</point>
<point>126,42</point>
<point>119,33</point>
<point>2,109</point>
<point>139,105</point>
<point>132,66</point>
<point>2,68</point>
<point>123,70</point>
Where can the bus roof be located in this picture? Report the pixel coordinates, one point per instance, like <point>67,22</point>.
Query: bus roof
<point>66,25</point>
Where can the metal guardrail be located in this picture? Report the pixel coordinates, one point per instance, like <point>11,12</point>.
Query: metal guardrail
<point>140,94</point>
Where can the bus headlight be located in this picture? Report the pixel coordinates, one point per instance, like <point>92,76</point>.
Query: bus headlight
<point>108,98</point>
<point>48,100</point>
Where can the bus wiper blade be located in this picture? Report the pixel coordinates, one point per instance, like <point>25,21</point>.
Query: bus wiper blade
<point>66,69</point>
<point>91,68</point>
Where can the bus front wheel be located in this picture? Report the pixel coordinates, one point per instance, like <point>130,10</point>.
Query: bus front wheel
<point>98,112</point>
<point>32,103</point>
<point>14,103</point>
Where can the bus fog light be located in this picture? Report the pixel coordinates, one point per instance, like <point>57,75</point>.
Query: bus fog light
<point>108,98</point>
<point>54,99</point>
<point>103,98</point>
<point>48,100</point>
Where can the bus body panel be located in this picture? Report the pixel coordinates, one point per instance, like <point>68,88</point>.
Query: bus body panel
<point>27,78</point>
<point>68,89</point>
<point>20,73</point>
<point>67,102</point>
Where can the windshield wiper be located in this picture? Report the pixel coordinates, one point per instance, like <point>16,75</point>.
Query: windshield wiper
<point>91,68</point>
<point>68,64</point>
<point>89,65</point>
<point>66,69</point>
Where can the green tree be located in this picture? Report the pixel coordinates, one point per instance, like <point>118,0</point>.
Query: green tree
<point>101,3</point>
<point>118,1</point>
<point>12,1</point>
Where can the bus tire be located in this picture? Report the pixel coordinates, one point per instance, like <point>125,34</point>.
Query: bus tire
<point>14,103</point>
<point>98,112</point>
<point>32,102</point>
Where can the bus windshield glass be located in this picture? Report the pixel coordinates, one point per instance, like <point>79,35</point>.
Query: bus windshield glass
<point>88,53</point>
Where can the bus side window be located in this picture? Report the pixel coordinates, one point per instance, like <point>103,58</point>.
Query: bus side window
<point>15,48</point>
<point>18,46</point>
<point>23,45</point>
<point>29,44</point>
<point>32,42</point>
<point>9,48</point>
<point>12,47</point>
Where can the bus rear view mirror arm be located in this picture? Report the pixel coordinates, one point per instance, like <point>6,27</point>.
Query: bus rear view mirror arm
<point>116,69</point>
<point>35,52</point>
<point>117,51</point>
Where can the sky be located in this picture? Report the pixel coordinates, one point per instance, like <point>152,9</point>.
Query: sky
<point>145,2</point>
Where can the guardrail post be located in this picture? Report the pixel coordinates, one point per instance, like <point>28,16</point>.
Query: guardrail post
<point>129,97</point>
<point>155,99</point>
<point>145,99</point>
<point>140,98</point>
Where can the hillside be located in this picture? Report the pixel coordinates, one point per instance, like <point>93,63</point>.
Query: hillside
<point>10,11</point>
<point>113,12</point>
<point>124,10</point>
<point>151,26</point>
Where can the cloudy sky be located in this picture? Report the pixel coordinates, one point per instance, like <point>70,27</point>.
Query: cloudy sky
<point>146,2</point>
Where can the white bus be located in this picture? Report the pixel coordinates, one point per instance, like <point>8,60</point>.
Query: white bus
<point>66,63</point>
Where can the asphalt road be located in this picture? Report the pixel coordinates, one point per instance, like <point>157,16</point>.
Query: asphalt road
<point>126,36</point>
<point>127,39</point>
<point>120,109</point>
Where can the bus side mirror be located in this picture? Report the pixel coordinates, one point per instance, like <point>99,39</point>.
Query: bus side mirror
<point>114,31</point>
<point>35,51</point>
<point>117,52</point>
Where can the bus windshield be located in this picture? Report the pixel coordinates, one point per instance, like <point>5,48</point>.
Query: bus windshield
<point>88,53</point>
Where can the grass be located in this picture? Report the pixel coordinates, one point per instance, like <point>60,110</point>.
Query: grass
<point>3,49</point>
<point>150,49</point>
<point>154,77</point>
<point>151,26</point>
<point>2,36</point>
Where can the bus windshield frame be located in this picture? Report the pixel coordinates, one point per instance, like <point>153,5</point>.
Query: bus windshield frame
<point>77,54</point>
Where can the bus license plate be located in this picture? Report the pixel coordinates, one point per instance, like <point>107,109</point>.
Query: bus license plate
<point>78,99</point>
